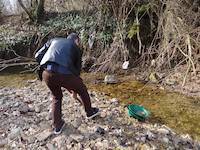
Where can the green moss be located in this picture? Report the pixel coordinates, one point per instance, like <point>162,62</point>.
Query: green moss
<point>134,29</point>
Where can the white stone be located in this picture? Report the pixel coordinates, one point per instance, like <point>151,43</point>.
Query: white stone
<point>103,114</point>
<point>150,135</point>
<point>88,148</point>
<point>77,137</point>
<point>165,140</point>
<point>31,107</point>
<point>170,81</point>
<point>103,144</point>
<point>16,104</point>
<point>37,108</point>
<point>144,147</point>
<point>16,113</point>
<point>114,101</point>
<point>110,79</point>
<point>143,139</point>
<point>31,131</point>
<point>186,138</point>
<point>125,65</point>
<point>15,133</point>
<point>163,131</point>
<point>117,132</point>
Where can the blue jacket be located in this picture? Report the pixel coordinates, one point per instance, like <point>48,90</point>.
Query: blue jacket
<point>63,52</point>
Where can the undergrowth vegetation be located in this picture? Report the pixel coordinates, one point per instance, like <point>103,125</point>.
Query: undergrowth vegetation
<point>151,34</point>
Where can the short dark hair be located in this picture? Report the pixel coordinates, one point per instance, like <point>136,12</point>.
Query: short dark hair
<point>73,36</point>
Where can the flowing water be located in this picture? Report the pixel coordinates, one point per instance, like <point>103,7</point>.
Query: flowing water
<point>177,111</point>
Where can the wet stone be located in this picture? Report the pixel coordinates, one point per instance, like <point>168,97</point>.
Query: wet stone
<point>110,79</point>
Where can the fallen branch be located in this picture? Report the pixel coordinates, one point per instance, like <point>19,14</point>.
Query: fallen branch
<point>4,66</point>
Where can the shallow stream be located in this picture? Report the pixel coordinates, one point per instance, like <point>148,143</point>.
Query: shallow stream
<point>177,111</point>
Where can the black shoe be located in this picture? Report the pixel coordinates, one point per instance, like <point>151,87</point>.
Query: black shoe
<point>59,130</point>
<point>94,112</point>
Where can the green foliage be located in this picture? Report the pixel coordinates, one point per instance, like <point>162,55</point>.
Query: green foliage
<point>104,37</point>
<point>82,24</point>
<point>143,8</point>
<point>134,29</point>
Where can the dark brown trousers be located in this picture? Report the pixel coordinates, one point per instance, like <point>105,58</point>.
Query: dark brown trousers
<point>55,81</point>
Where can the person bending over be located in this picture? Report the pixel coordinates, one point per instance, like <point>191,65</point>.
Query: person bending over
<point>62,66</point>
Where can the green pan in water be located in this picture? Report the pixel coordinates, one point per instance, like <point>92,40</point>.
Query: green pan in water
<point>138,112</point>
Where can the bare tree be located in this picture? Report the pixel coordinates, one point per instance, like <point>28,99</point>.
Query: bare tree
<point>37,9</point>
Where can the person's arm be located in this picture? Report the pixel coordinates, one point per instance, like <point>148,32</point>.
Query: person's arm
<point>78,61</point>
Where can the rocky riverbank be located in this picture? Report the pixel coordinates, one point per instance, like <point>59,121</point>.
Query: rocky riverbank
<point>26,124</point>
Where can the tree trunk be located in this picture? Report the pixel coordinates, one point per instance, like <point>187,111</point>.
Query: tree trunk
<point>30,15</point>
<point>38,10</point>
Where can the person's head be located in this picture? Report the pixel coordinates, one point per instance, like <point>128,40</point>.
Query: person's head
<point>74,37</point>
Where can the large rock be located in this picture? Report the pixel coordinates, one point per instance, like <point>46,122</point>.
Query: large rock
<point>43,135</point>
<point>110,79</point>
<point>16,132</point>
